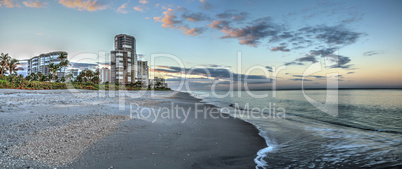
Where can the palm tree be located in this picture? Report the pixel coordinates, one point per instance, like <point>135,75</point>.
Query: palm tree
<point>63,64</point>
<point>12,65</point>
<point>53,68</point>
<point>88,74</point>
<point>79,78</point>
<point>83,76</point>
<point>95,78</point>
<point>96,73</point>
<point>4,59</point>
<point>42,78</point>
<point>29,78</point>
<point>69,76</point>
<point>63,56</point>
<point>33,77</point>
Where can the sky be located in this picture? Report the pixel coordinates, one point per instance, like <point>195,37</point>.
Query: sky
<point>256,44</point>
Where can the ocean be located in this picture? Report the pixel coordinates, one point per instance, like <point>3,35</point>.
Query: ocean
<point>366,131</point>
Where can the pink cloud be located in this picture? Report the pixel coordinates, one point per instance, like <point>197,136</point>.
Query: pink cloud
<point>89,5</point>
<point>192,31</point>
<point>144,1</point>
<point>139,8</point>
<point>169,19</point>
<point>9,3</point>
<point>34,4</point>
<point>218,24</point>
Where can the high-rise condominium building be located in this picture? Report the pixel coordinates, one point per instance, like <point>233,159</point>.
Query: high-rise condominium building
<point>123,60</point>
<point>41,63</point>
<point>104,75</point>
<point>142,72</point>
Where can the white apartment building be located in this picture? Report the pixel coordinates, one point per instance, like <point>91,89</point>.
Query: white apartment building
<point>104,75</point>
<point>142,72</point>
<point>41,63</point>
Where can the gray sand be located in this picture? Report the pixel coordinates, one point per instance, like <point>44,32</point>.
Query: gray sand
<point>65,143</point>
<point>151,142</point>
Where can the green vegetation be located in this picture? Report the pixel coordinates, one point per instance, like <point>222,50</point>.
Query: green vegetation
<point>19,82</point>
<point>40,82</point>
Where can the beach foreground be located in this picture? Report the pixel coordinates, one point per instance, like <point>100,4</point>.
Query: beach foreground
<point>85,129</point>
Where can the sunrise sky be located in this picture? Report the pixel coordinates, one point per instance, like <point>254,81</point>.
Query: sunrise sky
<point>358,40</point>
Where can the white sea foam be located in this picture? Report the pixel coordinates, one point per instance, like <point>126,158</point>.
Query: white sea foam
<point>261,154</point>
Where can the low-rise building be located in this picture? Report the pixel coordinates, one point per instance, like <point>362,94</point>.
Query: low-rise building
<point>158,83</point>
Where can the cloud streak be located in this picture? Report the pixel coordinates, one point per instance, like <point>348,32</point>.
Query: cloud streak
<point>300,79</point>
<point>122,8</point>
<point>340,61</point>
<point>251,34</point>
<point>334,35</point>
<point>194,17</point>
<point>371,53</point>
<point>308,58</point>
<point>292,63</point>
<point>232,15</point>
<point>139,8</point>
<point>280,48</point>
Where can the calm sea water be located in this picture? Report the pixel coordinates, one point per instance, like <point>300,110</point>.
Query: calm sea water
<point>367,132</point>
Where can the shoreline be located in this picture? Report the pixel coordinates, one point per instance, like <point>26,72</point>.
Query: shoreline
<point>261,154</point>
<point>196,143</point>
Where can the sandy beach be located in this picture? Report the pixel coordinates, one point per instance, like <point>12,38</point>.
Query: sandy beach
<point>87,129</point>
